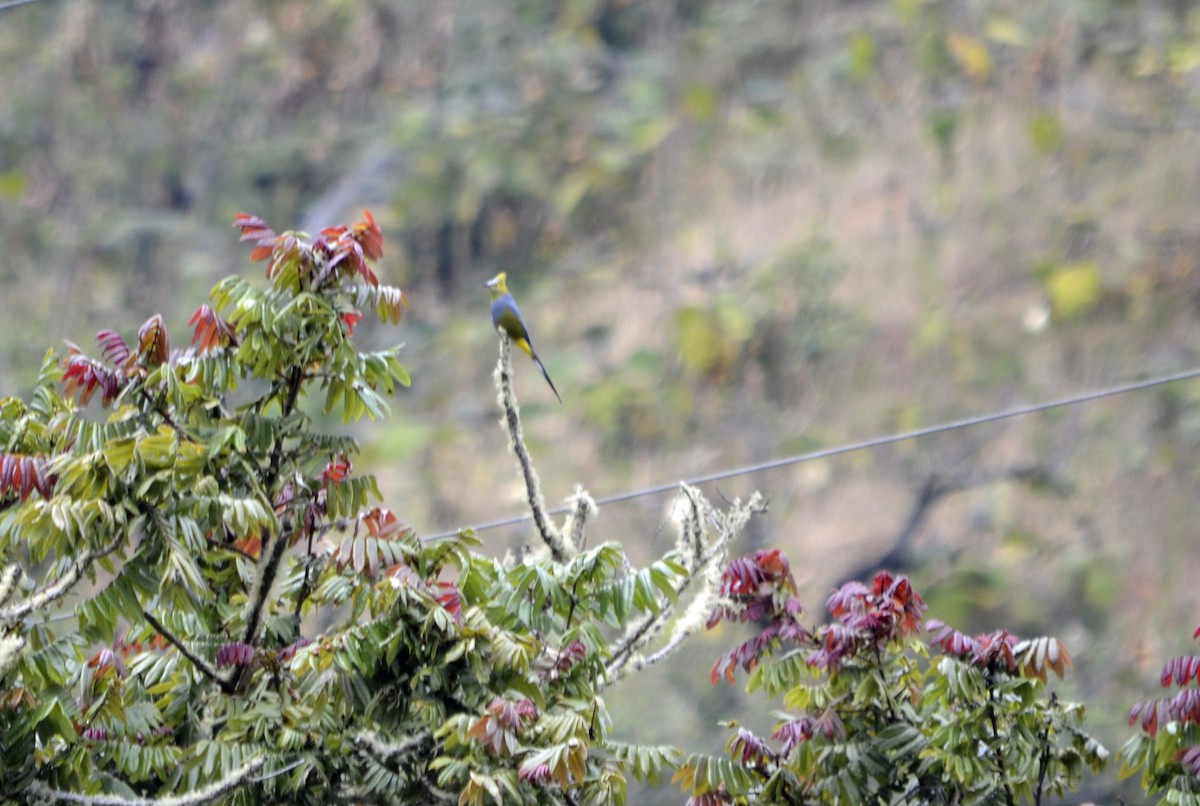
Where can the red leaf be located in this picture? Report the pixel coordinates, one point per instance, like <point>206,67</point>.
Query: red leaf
<point>450,599</point>
<point>250,545</point>
<point>153,349</point>
<point>1190,758</point>
<point>350,320</point>
<point>23,474</point>
<point>751,749</point>
<point>235,653</point>
<point>253,228</point>
<point>82,376</point>
<point>337,471</point>
<point>113,348</point>
<point>211,330</point>
<point>367,233</point>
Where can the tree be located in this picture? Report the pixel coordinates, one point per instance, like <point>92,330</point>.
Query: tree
<point>193,491</point>
<point>1166,750</point>
<point>871,718</point>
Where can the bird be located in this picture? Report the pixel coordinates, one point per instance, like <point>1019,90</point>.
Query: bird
<point>506,317</point>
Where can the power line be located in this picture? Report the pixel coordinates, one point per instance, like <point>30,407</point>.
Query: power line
<point>14,3</point>
<point>825,453</point>
<point>876,442</point>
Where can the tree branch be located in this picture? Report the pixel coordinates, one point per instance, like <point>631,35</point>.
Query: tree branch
<point>208,794</point>
<point>64,583</point>
<point>201,665</point>
<point>268,569</point>
<point>933,491</point>
<point>560,550</point>
<point>707,559</point>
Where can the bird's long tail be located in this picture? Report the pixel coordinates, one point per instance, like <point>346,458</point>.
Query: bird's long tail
<point>546,375</point>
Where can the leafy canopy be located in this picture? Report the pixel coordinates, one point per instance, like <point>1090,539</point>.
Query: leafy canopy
<point>251,623</point>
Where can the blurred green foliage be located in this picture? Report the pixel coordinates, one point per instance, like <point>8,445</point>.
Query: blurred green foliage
<point>1074,289</point>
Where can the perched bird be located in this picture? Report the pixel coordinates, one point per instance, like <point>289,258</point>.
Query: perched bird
<point>506,316</point>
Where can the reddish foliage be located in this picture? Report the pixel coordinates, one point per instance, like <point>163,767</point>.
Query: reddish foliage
<point>749,749</point>
<point>497,730</point>
<point>890,610</point>
<point>351,319</point>
<point>755,576</point>
<point>284,497</point>
<point>235,653</point>
<point>951,640</point>
<point>106,662</point>
<point>382,522</point>
<point>94,733</point>
<point>24,474</point>
<point>996,651</point>
<point>289,651</point>
<point>868,618</point>
<point>113,348</point>
<point>1182,670</point>
<point>1040,654</point>
<point>1190,759</point>
<point>211,330</point>
<point>255,229</point>
<point>127,647</point>
<point>837,642</point>
<point>352,246</point>
<point>1183,707</point>
<point>375,551</point>
<point>534,773</point>
<point>449,598</point>
<point>82,377</point>
<point>153,348</point>
<point>747,655</point>
<point>827,725</point>
<point>572,654</point>
<point>713,797</point>
<point>250,545</point>
<point>993,650</point>
<point>760,588</point>
<point>368,234</point>
<point>337,471</point>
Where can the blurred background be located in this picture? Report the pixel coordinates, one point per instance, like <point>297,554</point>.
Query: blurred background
<point>738,230</point>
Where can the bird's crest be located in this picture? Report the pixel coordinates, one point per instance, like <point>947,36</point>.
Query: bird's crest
<point>498,284</point>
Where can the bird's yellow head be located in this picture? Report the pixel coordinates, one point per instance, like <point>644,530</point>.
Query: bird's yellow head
<point>497,285</point>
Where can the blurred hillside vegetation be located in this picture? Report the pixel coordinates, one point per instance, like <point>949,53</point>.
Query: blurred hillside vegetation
<point>739,230</point>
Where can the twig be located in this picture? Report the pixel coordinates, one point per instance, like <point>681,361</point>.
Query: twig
<point>582,507</point>
<point>201,665</point>
<point>208,794</point>
<point>728,526</point>
<point>281,771</point>
<point>999,756</point>
<point>268,569</point>
<point>1044,759</point>
<point>382,750</point>
<point>9,579</point>
<point>59,588</point>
